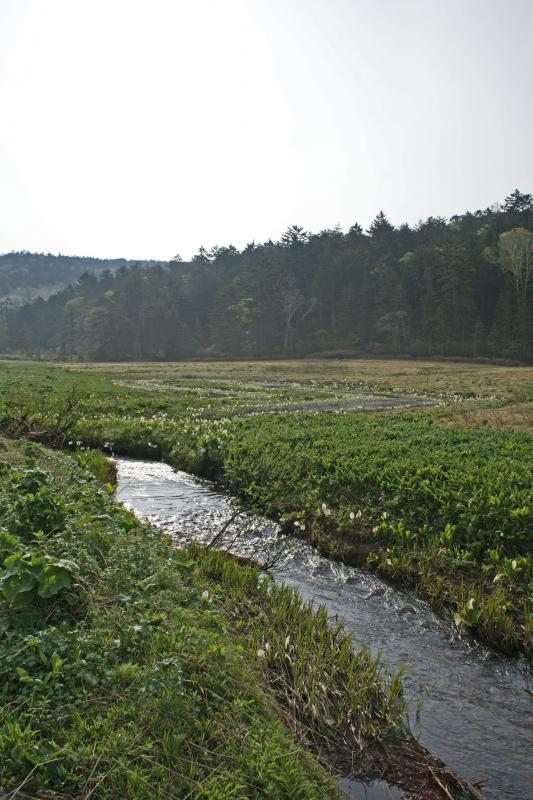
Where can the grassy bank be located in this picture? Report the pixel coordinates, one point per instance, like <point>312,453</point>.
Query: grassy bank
<point>126,669</point>
<point>438,499</point>
<point>129,668</point>
<point>446,511</point>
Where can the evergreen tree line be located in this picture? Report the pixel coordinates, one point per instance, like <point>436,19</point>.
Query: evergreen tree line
<point>461,287</point>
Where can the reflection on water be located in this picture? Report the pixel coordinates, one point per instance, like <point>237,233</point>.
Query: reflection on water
<point>475,704</point>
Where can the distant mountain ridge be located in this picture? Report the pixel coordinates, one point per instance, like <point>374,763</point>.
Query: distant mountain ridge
<point>24,276</point>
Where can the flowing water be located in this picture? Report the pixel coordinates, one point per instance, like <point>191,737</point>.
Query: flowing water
<point>476,705</point>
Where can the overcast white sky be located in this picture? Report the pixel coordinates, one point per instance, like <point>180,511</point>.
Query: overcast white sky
<point>143,128</point>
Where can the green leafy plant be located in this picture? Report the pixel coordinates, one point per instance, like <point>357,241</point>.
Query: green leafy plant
<point>28,576</point>
<point>35,506</point>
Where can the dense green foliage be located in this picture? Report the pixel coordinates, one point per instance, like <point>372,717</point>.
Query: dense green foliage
<point>440,508</point>
<point>133,669</point>
<point>475,485</point>
<point>428,501</point>
<point>98,464</point>
<point>25,276</point>
<point>457,287</point>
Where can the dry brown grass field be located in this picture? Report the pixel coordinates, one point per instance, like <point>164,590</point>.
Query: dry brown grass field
<point>502,396</point>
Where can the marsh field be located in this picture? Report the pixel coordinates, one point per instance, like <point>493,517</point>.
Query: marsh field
<point>418,473</point>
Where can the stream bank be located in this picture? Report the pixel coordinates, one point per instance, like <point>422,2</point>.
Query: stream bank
<point>475,703</point>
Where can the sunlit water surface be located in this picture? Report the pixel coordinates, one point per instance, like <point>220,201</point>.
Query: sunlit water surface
<point>476,705</point>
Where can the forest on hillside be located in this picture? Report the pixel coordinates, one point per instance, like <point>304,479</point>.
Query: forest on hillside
<point>25,276</point>
<point>458,287</point>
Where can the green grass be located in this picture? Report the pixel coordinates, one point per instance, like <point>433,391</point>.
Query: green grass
<point>436,505</point>
<point>129,668</point>
<point>449,511</point>
<point>98,464</point>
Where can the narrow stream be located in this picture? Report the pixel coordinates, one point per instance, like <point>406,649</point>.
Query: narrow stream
<point>476,705</point>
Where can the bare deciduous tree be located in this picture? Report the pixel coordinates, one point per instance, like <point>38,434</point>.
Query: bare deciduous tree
<point>515,249</point>
<point>296,307</point>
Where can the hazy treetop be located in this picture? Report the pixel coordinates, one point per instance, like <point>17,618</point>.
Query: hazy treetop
<point>143,129</point>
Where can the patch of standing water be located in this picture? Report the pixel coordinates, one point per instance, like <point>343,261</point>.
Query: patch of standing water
<point>476,705</point>
<point>375,790</point>
<point>321,400</point>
